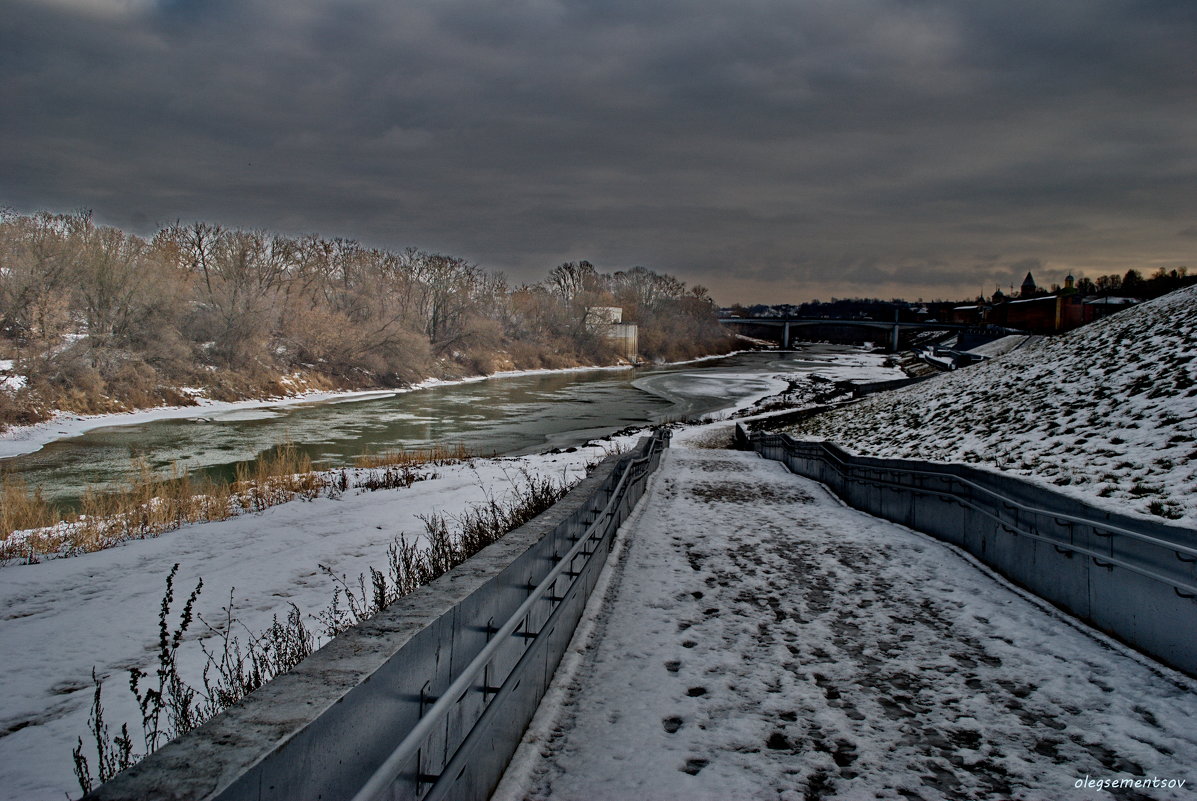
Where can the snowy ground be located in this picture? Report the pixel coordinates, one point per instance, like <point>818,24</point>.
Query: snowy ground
<point>760,640</point>
<point>1004,345</point>
<point>60,618</point>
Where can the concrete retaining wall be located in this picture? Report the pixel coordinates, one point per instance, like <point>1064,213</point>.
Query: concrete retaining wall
<point>324,729</point>
<point>1134,579</point>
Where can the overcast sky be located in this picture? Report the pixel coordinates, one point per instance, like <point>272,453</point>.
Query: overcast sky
<point>772,150</point>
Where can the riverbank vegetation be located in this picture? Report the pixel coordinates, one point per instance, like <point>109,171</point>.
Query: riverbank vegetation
<point>32,528</point>
<point>96,320</point>
<point>171,705</point>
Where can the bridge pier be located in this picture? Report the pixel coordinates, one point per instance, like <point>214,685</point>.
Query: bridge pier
<point>893,340</point>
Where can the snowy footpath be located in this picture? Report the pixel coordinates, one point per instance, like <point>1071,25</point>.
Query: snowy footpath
<point>754,638</point>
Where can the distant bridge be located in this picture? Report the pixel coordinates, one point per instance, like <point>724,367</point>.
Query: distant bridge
<point>894,327</point>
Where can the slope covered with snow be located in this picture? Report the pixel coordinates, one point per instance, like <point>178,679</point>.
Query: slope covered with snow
<point>1107,412</point>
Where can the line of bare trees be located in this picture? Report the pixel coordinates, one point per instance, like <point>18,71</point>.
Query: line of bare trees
<point>96,319</point>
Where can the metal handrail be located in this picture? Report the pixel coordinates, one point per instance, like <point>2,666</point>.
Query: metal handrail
<point>409,747</point>
<point>1032,509</point>
<point>843,468</point>
<point>1068,546</point>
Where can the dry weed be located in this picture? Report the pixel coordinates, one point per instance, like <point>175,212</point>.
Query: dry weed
<point>437,456</point>
<point>148,506</point>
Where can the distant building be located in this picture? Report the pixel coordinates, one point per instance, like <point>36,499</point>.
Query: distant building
<point>1028,288</point>
<point>627,339</point>
<point>609,319</point>
<point>968,315</point>
<point>1096,308</point>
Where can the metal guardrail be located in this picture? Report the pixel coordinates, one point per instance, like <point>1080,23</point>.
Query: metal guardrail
<point>418,764</point>
<point>1135,579</point>
<point>1183,552</point>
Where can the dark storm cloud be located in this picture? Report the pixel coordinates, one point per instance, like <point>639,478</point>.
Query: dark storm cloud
<point>800,148</point>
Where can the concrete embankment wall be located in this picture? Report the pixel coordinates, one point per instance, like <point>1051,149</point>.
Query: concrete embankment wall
<point>429,698</point>
<point>1134,579</point>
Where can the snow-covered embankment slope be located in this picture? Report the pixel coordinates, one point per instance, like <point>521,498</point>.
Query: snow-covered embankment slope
<point>1107,412</point>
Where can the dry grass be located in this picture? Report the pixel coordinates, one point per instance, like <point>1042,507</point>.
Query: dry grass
<point>32,528</point>
<point>171,707</point>
<point>277,478</point>
<point>148,506</point>
<point>437,455</point>
<point>23,510</point>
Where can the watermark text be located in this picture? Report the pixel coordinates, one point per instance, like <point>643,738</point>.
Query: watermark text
<point>1139,783</point>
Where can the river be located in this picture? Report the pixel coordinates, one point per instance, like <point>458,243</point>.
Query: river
<point>506,416</point>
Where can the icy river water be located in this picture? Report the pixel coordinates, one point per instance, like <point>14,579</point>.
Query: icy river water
<point>506,416</point>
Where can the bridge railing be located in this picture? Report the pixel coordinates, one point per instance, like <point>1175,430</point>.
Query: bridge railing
<point>429,699</point>
<point>1133,578</point>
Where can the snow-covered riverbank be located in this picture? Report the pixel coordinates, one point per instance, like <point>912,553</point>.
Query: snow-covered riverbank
<point>1104,413</point>
<point>20,440</point>
<point>64,616</point>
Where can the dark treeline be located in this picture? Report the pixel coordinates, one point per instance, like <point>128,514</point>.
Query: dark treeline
<point>1133,284</point>
<point>100,320</point>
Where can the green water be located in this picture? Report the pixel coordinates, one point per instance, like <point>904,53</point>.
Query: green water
<point>513,415</point>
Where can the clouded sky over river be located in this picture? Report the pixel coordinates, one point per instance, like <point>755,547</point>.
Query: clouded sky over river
<point>769,149</point>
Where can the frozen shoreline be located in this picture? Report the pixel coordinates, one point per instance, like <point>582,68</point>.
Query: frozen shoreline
<point>99,609</point>
<point>22,440</point>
